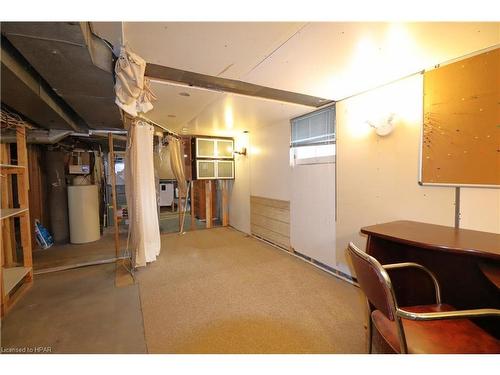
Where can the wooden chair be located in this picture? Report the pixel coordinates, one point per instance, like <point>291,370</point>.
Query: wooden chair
<point>436,328</point>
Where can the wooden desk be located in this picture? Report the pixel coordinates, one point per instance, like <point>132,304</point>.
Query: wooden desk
<point>491,271</point>
<point>454,255</point>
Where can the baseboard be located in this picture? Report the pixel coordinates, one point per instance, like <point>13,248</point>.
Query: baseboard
<point>330,270</point>
<point>344,276</point>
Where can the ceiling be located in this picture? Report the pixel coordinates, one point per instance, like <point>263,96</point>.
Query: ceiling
<point>59,54</point>
<point>332,60</point>
<point>232,114</point>
<point>325,59</point>
<point>175,110</point>
<point>221,49</point>
<point>336,60</point>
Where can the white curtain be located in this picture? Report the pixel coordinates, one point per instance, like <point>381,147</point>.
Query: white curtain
<point>133,91</point>
<point>177,164</point>
<point>141,194</point>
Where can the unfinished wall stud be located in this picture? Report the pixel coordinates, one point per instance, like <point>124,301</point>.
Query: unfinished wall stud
<point>113,193</point>
<point>22,188</point>
<point>193,220</point>
<point>208,203</point>
<point>8,238</point>
<point>225,204</point>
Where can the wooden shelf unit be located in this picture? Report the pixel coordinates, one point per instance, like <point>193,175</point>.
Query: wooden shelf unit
<point>15,276</point>
<point>5,213</point>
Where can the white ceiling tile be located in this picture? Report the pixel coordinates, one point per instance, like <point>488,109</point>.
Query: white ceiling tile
<point>224,49</point>
<point>174,110</point>
<point>233,114</point>
<point>331,60</point>
<point>334,60</point>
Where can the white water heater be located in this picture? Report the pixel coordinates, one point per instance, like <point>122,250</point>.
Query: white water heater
<point>83,207</point>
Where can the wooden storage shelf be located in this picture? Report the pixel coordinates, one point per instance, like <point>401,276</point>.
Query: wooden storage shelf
<point>12,276</point>
<point>5,213</point>
<point>12,169</point>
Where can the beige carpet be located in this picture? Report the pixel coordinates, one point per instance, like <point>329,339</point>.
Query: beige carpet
<point>219,291</point>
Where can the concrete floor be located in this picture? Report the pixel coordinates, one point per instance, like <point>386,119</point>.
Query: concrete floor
<point>169,222</point>
<point>210,291</point>
<point>77,311</point>
<point>70,254</point>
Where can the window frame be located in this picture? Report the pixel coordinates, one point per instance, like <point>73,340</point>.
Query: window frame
<point>324,159</point>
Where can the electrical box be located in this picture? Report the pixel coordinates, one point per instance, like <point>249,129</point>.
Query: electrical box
<point>80,162</point>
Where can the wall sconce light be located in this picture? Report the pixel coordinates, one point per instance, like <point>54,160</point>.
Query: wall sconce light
<point>383,126</point>
<point>243,151</point>
<point>242,144</point>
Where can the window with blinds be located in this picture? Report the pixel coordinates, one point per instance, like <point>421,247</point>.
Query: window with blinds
<point>316,128</point>
<point>313,137</point>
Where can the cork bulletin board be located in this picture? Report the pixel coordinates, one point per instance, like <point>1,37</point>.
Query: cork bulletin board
<point>461,130</point>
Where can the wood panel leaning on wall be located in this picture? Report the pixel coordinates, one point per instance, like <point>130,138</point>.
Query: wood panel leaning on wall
<point>270,220</point>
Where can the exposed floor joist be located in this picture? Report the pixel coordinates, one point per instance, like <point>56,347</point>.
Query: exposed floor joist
<point>25,91</point>
<point>75,63</point>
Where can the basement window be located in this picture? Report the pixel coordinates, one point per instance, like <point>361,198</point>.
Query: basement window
<point>313,137</point>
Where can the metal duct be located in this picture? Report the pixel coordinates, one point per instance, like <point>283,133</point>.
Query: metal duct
<point>38,136</point>
<point>65,54</point>
<point>26,92</point>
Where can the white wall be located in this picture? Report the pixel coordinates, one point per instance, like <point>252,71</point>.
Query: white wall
<point>271,176</point>
<point>264,172</point>
<point>377,176</point>
<point>239,195</point>
<point>480,209</point>
<point>270,161</point>
<point>312,211</point>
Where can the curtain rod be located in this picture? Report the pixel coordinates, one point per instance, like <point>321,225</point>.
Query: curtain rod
<point>169,132</point>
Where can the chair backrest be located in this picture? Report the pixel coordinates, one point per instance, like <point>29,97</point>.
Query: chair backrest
<point>374,281</point>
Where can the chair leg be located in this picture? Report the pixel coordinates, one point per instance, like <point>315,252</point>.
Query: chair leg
<point>369,328</point>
